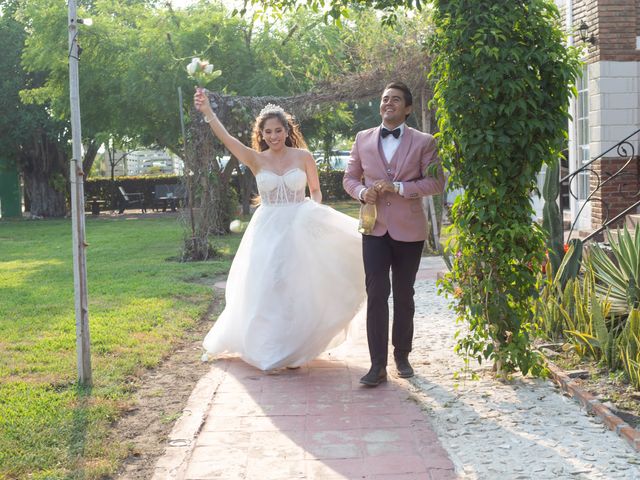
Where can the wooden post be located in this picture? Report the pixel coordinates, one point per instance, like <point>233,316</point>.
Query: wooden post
<point>426,114</point>
<point>76,178</point>
<point>426,127</point>
<point>187,174</point>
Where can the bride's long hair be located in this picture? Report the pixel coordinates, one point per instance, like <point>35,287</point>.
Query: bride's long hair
<point>294,135</point>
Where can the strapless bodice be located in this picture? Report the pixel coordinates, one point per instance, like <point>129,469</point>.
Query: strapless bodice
<point>285,189</point>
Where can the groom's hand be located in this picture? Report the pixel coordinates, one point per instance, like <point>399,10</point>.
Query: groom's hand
<point>370,195</point>
<point>384,186</point>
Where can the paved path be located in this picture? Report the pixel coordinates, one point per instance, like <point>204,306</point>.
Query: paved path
<point>525,429</point>
<point>317,422</point>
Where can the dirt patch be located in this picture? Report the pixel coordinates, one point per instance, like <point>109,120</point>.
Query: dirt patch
<point>159,400</point>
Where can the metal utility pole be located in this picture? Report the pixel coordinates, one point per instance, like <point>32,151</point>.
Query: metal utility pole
<point>76,178</point>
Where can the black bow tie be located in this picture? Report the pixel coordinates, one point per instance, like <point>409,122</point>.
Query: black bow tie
<point>385,131</point>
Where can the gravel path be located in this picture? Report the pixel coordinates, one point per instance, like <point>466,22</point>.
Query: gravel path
<point>526,429</point>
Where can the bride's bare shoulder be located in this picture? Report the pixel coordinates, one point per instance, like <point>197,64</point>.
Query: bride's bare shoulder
<point>301,152</point>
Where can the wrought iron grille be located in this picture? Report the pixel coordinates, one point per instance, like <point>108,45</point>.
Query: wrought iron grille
<point>625,150</point>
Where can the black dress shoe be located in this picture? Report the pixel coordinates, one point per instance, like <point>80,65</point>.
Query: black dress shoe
<point>375,376</point>
<point>405,370</point>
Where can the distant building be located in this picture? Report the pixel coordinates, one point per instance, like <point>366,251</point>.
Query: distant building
<point>145,162</point>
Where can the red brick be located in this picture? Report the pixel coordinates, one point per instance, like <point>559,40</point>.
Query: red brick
<point>631,435</point>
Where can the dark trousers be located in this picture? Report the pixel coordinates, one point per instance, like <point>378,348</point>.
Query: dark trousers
<point>382,254</point>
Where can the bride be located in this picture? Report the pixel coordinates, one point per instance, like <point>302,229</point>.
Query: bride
<point>297,279</point>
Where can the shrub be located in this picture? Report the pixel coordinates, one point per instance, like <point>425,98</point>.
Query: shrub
<point>503,81</point>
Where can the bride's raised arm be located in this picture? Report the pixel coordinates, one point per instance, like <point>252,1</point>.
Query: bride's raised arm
<point>243,153</point>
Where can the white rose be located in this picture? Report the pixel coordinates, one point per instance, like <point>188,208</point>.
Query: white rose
<point>208,69</point>
<point>193,66</point>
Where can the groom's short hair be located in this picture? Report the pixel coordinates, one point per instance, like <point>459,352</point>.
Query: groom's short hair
<point>408,98</point>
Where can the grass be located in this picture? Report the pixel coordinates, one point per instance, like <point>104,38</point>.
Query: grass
<point>349,207</point>
<point>140,303</point>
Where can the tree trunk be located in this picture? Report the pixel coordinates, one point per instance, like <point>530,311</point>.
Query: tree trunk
<point>90,156</point>
<point>246,183</point>
<point>46,176</point>
<point>45,199</point>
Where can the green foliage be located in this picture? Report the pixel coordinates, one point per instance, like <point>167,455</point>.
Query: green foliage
<point>502,94</point>
<point>328,126</point>
<point>331,185</point>
<point>557,299</point>
<point>571,262</point>
<point>551,215</point>
<point>629,346</point>
<point>572,309</point>
<point>587,328</point>
<point>339,9</point>
<point>581,314</point>
<point>133,63</point>
<point>605,334</point>
<point>620,280</point>
<point>31,138</point>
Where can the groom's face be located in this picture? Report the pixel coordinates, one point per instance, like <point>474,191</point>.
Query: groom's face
<point>393,108</point>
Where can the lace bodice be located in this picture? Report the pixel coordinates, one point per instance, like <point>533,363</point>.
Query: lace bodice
<point>282,189</point>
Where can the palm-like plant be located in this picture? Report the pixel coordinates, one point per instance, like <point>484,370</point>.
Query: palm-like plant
<point>620,280</point>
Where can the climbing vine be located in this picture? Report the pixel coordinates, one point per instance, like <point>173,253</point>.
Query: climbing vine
<point>503,79</point>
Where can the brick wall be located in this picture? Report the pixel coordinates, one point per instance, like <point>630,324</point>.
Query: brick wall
<point>618,193</point>
<point>615,25</point>
<point>587,11</point>
<point>617,28</point>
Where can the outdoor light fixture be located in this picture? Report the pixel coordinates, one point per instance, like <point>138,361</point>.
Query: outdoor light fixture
<point>584,34</point>
<point>83,21</point>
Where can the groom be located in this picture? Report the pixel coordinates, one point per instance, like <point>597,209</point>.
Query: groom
<point>390,166</point>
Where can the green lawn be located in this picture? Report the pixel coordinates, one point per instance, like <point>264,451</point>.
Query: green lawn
<point>350,207</point>
<point>141,302</point>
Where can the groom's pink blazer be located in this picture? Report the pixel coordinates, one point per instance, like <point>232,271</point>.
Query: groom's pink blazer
<point>402,216</point>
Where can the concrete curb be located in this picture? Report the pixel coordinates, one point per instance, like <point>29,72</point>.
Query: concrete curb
<point>595,407</point>
<point>174,462</point>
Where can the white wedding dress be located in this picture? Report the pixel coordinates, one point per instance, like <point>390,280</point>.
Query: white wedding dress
<point>296,281</point>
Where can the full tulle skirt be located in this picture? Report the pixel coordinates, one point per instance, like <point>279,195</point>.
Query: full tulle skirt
<point>295,285</point>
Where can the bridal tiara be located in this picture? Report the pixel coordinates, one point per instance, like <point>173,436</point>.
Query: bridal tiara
<point>271,108</point>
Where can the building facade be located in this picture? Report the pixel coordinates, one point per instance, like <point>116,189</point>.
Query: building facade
<point>145,162</point>
<point>606,109</point>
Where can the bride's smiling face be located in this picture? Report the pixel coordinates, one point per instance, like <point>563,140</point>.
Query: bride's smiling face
<point>274,133</point>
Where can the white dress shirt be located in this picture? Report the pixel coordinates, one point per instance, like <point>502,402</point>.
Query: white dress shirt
<point>390,143</point>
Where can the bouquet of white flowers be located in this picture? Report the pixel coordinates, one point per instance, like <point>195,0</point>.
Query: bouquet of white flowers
<point>202,71</point>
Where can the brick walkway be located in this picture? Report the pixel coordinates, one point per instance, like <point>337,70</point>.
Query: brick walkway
<point>315,423</point>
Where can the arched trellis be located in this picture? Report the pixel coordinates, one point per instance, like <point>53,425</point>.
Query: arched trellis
<point>211,202</point>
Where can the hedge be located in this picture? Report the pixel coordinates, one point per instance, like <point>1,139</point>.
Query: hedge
<point>103,188</point>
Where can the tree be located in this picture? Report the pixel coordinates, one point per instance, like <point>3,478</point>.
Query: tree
<point>498,127</point>
<point>31,138</point>
<point>327,127</point>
